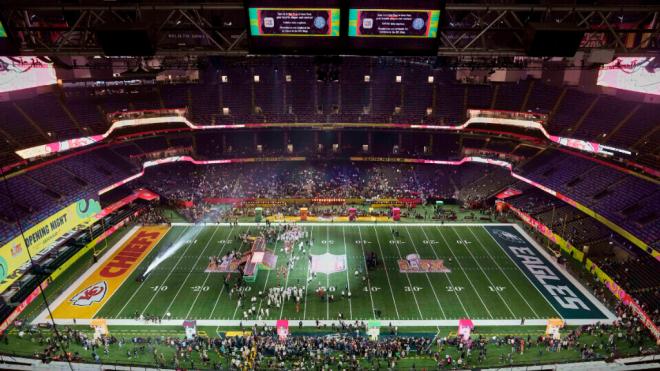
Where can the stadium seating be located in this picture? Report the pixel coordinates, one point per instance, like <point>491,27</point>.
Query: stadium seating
<point>288,91</point>
<point>351,99</point>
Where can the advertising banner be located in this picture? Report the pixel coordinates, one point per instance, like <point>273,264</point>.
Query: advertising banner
<point>14,254</point>
<point>509,192</point>
<point>547,232</point>
<point>19,309</point>
<point>465,327</point>
<point>282,329</point>
<point>554,327</point>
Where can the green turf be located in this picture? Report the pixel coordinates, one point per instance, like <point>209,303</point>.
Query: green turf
<point>484,283</point>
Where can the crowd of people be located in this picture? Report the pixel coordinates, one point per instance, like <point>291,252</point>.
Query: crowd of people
<point>308,180</point>
<point>152,215</point>
<point>343,346</point>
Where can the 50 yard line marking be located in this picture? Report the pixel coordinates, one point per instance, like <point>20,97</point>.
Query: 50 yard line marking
<point>288,272</point>
<point>348,279</point>
<point>265,284</point>
<point>209,273</point>
<point>309,268</point>
<point>515,287</point>
<point>464,272</point>
<point>206,246</point>
<point>327,276</point>
<point>484,273</point>
<point>427,276</point>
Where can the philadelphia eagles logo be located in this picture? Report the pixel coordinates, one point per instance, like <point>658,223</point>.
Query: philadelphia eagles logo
<point>508,236</point>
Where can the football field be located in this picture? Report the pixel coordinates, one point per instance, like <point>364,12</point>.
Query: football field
<point>423,274</point>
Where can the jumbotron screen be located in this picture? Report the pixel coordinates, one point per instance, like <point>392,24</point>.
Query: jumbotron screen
<point>294,26</point>
<point>393,23</point>
<point>393,26</point>
<point>18,73</point>
<point>631,73</point>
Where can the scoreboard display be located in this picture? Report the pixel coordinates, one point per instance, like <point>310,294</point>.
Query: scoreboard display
<point>393,23</point>
<point>294,22</point>
<point>295,26</point>
<point>394,26</point>
<point>376,27</point>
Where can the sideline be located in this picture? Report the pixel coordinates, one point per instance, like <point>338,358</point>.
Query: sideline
<point>312,323</point>
<point>349,224</point>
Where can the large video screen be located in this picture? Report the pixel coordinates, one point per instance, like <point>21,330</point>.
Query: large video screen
<point>393,23</point>
<point>631,73</point>
<point>297,26</point>
<point>18,73</point>
<point>394,26</point>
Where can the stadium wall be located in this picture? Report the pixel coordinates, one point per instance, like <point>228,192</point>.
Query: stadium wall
<point>14,254</point>
<point>548,233</point>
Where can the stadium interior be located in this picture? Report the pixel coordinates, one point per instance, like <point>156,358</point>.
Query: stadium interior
<point>350,184</point>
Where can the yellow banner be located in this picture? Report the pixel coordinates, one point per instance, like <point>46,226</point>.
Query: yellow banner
<point>90,296</point>
<point>14,254</point>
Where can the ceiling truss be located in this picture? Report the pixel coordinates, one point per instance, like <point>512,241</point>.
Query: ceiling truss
<point>220,29</point>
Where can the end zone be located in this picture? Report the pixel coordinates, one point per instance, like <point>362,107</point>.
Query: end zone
<point>571,317</point>
<point>95,288</point>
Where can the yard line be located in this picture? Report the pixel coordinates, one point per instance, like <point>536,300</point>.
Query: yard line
<point>223,286</point>
<point>364,257</point>
<point>464,272</point>
<point>208,242</point>
<point>327,276</point>
<point>309,267</point>
<point>288,271</point>
<point>348,279</point>
<point>172,270</point>
<point>514,263</point>
<point>502,270</point>
<point>264,288</point>
<point>427,275</point>
<point>446,274</point>
<point>484,273</point>
<point>143,281</point>
<point>421,316</point>
<point>209,274</point>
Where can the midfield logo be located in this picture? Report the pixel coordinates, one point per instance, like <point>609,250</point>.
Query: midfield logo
<point>414,264</point>
<point>90,295</point>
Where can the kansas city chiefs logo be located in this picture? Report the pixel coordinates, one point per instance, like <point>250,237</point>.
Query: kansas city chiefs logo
<point>507,236</point>
<point>90,295</point>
